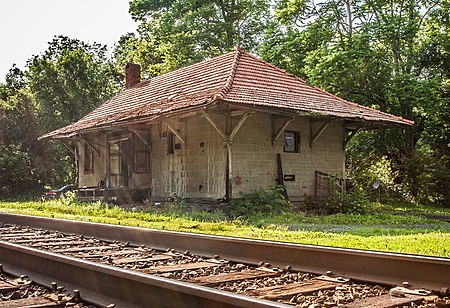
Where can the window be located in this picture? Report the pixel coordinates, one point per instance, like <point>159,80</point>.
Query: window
<point>291,142</point>
<point>88,159</point>
<point>114,158</point>
<point>170,143</point>
<point>141,154</point>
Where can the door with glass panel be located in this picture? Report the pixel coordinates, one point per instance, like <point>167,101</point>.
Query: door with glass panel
<point>118,163</point>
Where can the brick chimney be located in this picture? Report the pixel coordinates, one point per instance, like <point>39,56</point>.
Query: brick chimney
<point>132,75</point>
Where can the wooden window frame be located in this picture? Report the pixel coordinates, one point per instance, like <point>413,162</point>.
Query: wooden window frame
<point>140,151</point>
<point>88,160</point>
<point>296,136</point>
<point>170,143</point>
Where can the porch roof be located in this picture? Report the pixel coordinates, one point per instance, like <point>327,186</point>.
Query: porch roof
<point>236,78</point>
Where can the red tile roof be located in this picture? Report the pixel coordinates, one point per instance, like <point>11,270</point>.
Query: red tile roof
<point>237,78</point>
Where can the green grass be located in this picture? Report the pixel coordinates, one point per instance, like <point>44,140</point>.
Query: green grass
<point>382,231</point>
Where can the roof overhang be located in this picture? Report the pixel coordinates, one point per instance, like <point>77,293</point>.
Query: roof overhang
<point>223,106</point>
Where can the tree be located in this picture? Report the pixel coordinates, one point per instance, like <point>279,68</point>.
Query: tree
<point>70,79</point>
<point>392,55</point>
<point>58,87</point>
<point>23,159</point>
<point>172,34</point>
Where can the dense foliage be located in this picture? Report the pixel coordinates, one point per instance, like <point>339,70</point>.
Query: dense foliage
<point>260,202</point>
<point>57,87</point>
<point>176,33</point>
<point>392,55</point>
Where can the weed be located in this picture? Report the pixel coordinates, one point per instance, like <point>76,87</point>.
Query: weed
<point>260,202</point>
<point>354,201</point>
<point>381,231</point>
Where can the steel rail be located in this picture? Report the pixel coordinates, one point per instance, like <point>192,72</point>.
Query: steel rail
<point>103,284</point>
<point>432,273</point>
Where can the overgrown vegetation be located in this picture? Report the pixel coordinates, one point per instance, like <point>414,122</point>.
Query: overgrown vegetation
<point>382,231</point>
<point>57,87</point>
<point>260,202</point>
<point>354,201</point>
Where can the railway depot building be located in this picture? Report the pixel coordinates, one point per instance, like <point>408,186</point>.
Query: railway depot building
<point>214,129</point>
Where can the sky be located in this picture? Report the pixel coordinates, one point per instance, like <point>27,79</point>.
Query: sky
<point>26,26</point>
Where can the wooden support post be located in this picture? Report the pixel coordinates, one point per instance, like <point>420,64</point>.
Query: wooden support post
<point>228,137</point>
<point>77,164</point>
<point>229,166</point>
<point>281,175</point>
<point>316,135</point>
<point>77,160</point>
<point>108,164</point>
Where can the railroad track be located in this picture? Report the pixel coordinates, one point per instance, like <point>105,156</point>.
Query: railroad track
<point>178,269</point>
<point>20,291</point>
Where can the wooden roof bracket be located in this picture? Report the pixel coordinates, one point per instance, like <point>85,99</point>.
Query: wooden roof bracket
<point>238,126</point>
<point>70,148</point>
<point>313,136</point>
<point>208,117</point>
<point>349,137</point>
<point>227,138</point>
<point>144,140</point>
<point>91,145</point>
<point>171,127</point>
<point>277,134</point>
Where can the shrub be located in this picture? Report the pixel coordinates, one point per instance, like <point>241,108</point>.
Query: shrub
<point>260,202</point>
<point>15,170</point>
<point>354,201</point>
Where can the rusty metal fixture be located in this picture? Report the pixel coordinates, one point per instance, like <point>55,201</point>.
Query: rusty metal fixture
<point>445,291</point>
<point>19,291</point>
<point>76,296</point>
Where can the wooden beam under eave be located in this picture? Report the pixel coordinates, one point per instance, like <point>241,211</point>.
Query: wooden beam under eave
<point>71,149</point>
<point>238,126</point>
<point>145,141</point>
<point>175,132</point>
<point>313,137</point>
<point>89,144</point>
<point>350,136</point>
<point>208,117</point>
<point>280,130</point>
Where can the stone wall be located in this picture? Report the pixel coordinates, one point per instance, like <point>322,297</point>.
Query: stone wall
<point>255,162</point>
<point>196,169</point>
<point>90,179</point>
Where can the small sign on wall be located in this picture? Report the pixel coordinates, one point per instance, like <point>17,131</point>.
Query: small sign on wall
<point>289,177</point>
